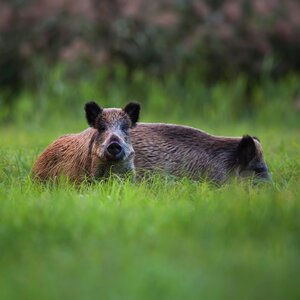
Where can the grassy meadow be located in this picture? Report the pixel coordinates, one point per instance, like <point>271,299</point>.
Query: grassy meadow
<point>164,239</point>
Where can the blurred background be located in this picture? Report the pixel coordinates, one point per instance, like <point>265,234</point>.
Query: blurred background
<point>213,61</point>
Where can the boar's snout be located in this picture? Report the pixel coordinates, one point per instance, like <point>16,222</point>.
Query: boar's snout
<point>263,174</point>
<point>114,151</point>
<point>114,148</point>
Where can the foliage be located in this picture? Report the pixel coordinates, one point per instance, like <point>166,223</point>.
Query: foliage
<point>59,96</point>
<point>221,38</point>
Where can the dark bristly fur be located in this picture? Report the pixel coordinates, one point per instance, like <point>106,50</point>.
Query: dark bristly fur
<point>185,151</point>
<point>86,155</point>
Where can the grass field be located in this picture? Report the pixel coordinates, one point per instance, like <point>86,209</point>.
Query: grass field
<point>165,239</point>
<point>168,239</point>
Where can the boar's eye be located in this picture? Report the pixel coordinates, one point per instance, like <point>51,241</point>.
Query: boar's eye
<point>124,127</point>
<point>260,170</point>
<point>101,127</point>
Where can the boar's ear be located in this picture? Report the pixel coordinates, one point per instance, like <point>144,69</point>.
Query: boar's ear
<point>246,150</point>
<point>92,110</point>
<point>133,110</point>
<point>256,138</point>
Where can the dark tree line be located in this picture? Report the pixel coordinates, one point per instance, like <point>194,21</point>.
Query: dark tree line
<point>217,39</point>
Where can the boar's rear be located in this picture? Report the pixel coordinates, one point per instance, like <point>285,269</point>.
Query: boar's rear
<point>185,151</point>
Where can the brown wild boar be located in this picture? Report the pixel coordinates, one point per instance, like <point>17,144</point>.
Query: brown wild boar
<point>185,151</point>
<point>96,152</point>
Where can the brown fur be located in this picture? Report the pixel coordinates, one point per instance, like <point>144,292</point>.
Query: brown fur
<point>185,151</point>
<point>72,155</point>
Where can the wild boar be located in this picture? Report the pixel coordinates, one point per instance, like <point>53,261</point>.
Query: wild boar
<point>98,151</point>
<point>185,151</point>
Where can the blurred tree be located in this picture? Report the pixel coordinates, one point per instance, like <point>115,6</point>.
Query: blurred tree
<point>221,39</point>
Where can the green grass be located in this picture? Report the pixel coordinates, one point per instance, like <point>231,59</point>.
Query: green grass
<point>164,239</point>
<point>161,240</point>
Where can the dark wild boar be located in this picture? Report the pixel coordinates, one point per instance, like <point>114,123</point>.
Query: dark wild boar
<point>98,151</point>
<point>185,151</point>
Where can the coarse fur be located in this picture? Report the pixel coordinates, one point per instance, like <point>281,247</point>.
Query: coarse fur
<point>186,151</point>
<point>103,149</point>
